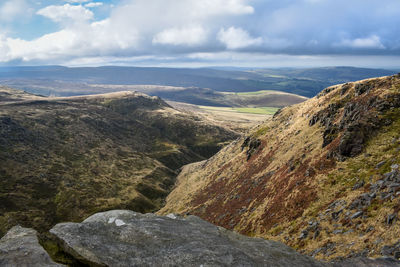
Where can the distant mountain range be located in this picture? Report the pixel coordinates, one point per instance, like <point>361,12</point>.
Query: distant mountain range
<point>304,82</point>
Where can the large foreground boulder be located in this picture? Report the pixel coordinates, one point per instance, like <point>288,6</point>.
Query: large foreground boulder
<point>127,238</point>
<point>20,247</point>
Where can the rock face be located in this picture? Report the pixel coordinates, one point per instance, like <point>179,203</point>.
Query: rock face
<point>20,247</point>
<point>127,238</point>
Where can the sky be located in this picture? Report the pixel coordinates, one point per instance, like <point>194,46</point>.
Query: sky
<point>197,33</point>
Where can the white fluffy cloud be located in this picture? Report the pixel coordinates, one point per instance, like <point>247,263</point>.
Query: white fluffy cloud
<point>94,4</point>
<point>13,9</point>
<point>188,36</point>
<point>46,47</point>
<point>236,38</point>
<point>66,13</point>
<point>372,41</point>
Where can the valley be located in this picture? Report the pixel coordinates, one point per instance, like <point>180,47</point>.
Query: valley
<point>68,157</point>
<point>320,175</point>
<point>199,133</point>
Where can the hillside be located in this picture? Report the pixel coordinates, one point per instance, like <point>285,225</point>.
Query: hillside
<point>67,158</point>
<point>321,176</point>
<point>12,95</point>
<point>208,97</point>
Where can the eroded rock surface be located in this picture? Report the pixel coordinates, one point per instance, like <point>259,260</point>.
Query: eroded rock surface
<point>127,238</point>
<point>20,247</point>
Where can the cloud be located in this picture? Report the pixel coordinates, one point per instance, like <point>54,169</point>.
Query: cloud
<point>216,7</point>
<point>13,9</point>
<point>47,47</point>
<point>77,1</point>
<point>188,36</point>
<point>175,29</point>
<point>236,38</point>
<point>372,41</point>
<point>66,13</point>
<point>92,40</point>
<point>94,4</point>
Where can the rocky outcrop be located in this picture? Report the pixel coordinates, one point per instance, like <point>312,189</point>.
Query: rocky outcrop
<point>20,247</point>
<point>355,118</point>
<point>127,238</point>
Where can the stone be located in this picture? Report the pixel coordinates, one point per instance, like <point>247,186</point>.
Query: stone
<point>356,215</point>
<point>393,187</point>
<point>369,229</point>
<point>316,234</point>
<point>391,218</point>
<point>364,200</point>
<point>385,195</point>
<point>349,232</point>
<point>20,247</point>
<point>367,262</point>
<point>358,185</point>
<point>252,144</point>
<point>303,234</point>
<point>388,176</point>
<point>151,240</point>
<point>345,88</point>
<point>380,164</point>
<point>387,251</point>
<point>335,215</point>
<point>172,216</point>
<point>337,231</point>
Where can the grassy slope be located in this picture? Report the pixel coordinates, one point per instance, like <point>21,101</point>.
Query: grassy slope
<point>66,158</point>
<point>225,117</point>
<point>12,95</point>
<point>282,181</point>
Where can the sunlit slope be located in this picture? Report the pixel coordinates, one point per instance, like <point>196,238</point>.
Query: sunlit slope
<point>321,176</point>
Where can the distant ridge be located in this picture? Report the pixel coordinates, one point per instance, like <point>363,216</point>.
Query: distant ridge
<point>304,82</point>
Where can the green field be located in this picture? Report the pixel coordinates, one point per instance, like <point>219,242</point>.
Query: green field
<point>261,92</point>
<point>258,110</point>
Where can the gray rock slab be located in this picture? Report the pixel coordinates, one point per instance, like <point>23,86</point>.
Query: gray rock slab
<point>367,262</point>
<point>127,238</point>
<point>20,247</point>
